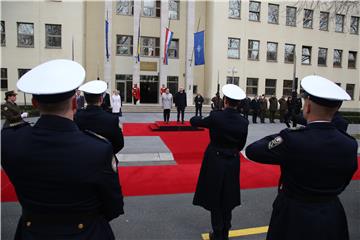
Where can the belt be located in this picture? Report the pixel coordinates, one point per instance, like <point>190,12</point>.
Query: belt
<point>307,198</point>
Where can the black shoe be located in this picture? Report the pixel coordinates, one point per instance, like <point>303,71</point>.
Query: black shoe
<point>211,236</point>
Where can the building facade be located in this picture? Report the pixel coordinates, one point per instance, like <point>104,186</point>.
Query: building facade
<point>259,45</point>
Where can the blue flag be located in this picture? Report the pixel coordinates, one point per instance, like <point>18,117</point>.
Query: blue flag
<point>199,48</point>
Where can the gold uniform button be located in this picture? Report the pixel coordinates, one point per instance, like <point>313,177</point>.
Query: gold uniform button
<point>81,226</point>
<point>28,224</point>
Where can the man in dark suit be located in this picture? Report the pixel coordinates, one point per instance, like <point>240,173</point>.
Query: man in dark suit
<point>106,104</point>
<point>80,101</point>
<point>198,104</point>
<point>65,179</point>
<point>255,106</point>
<point>317,162</point>
<point>95,119</point>
<point>180,103</point>
<point>218,187</point>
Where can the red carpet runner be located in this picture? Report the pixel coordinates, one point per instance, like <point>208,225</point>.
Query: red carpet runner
<point>187,149</point>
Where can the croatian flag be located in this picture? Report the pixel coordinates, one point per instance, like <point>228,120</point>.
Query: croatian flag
<point>168,37</point>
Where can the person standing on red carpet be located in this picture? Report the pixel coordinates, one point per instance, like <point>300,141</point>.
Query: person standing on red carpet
<point>317,163</point>
<point>167,102</point>
<point>218,187</point>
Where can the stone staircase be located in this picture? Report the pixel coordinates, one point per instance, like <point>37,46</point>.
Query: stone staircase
<point>156,108</point>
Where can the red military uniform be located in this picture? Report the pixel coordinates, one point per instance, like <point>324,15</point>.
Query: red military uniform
<point>136,94</point>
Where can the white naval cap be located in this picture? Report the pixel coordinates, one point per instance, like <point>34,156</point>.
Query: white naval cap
<point>233,92</point>
<point>94,87</point>
<point>324,91</point>
<point>52,81</point>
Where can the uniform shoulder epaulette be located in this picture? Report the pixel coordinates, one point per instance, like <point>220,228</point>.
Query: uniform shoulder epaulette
<point>98,136</point>
<point>298,128</point>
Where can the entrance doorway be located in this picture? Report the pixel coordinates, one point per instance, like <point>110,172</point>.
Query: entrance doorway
<point>124,86</point>
<point>149,89</point>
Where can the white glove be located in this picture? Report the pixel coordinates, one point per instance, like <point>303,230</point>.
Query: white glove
<point>24,115</point>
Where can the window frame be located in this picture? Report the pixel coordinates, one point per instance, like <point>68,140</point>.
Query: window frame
<point>256,86</point>
<point>229,48</point>
<point>174,49</point>
<point>251,49</point>
<point>277,15</point>
<point>257,13</point>
<point>287,22</point>
<point>322,64</point>
<point>233,80</point>
<point>339,65</point>
<point>130,46</point>
<point>310,17</point>
<point>355,58</point>
<point>287,88</point>
<point>177,2</point>
<point>327,21</point>
<point>303,55</point>
<point>267,87</point>
<point>267,52</point>
<point>342,23</point>
<point>156,46</point>
<point>22,34</point>
<point>130,7</point>
<point>351,92</point>
<point>357,25</point>
<point>291,54</point>
<point>4,79</point>
<point>230,9</point>
<point>156,9</point>
<point>47,35</point>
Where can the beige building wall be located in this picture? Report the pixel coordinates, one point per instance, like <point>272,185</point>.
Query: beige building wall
<point>71,17</point>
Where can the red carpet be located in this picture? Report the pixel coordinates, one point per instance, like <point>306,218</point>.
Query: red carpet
<point>187,148</point>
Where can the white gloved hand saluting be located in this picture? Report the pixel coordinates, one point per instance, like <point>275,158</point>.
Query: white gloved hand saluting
<point>24,115</point>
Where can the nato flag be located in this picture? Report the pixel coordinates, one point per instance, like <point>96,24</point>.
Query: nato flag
<point>199,48</point>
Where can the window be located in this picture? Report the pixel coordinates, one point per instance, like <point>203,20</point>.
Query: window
<point>233,47</point>
<point>150,46</point>
<point>289,53</point>
<point>173,51</point>
<point>339,84</point>
<point>4,79</point>
<point>125,7</point>
<point>22,71</point>
<point>254,11</point>
<point>3,42</point>
<point>124,45</point>
<point>308,18</point>
<point>324,21</point>
<point>252,86</point>
<point>322,56</point>
<point>354,25</point>
<point>287,87</point>
<point>350,88</point>
<point>273,13</point>
<point>339,23</point>
<point>337,58</point>
<point>253,50</point>
<point>124,85</point>
<point>232,80</point>
<point>234,8</point>
<point>306,55</point>
<point>53,35</point>
<point>173,84</point>
<point>291,16</point>
<point>151,8</point>
<point>25,34</point>
<point>271,54</point>
<point>270,87</point>
<point>174,7</point>
<point>352,59</point>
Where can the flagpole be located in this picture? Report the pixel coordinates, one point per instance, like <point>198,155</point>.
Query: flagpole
<point>192,54</point>
<point>72,48</point>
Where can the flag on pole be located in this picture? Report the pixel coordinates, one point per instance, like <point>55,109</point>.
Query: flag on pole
<point>107,38</point>
<point>138,42</point>
<point>168,37</point>
<point>199,48</point>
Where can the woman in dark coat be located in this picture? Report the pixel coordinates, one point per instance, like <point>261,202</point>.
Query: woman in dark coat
<point>218,187</point>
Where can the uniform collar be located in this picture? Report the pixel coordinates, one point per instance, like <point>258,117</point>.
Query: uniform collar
<point>93,107</point>
<point>57,123</point>
<point>320,124</point>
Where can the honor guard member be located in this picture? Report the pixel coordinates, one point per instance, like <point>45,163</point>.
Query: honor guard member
<point>218,187</point>
<point>11,111</point>
<point>317,162</point>
<point>95,119</point>
<point>63,177</point>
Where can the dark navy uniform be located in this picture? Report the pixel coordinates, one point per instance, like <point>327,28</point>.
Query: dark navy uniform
<point>338,121</point>
<point>317,163</point>
<point>64,180</point>
<point>95,119</point>
<point>218,187</point>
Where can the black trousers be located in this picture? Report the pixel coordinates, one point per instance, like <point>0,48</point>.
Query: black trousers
<point>198,110</point>
<point>166,115</point>
<point>180,111</point>
<point>262,116</point>
<point>246,114</point>
<point>290,116</point>
<point>282,115</point>
<point>254,116</point>
<point>272,116</point>
<point>221,223</point>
